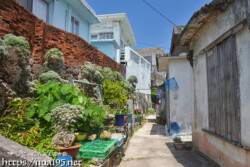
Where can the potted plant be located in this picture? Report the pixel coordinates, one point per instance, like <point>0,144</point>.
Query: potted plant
<point>119,118</point>
<point>80,136</point>
<point>62,117</point>
<point>179,145</point>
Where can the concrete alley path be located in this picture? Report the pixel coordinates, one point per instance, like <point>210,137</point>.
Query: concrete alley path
<point>150,148</point>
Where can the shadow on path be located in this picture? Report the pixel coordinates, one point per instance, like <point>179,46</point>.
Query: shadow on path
<point>189,158</point>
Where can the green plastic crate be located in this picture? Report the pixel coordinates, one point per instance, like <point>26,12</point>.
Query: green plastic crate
<point>97,148</point>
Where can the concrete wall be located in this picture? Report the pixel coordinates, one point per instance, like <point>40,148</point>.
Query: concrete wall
<point>107,47</point>
<point>157,77</point>
<point>181,107</point>
<point>139,67</point>
<point>221,151</point>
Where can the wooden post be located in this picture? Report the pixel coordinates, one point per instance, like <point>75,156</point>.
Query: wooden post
<point>248,13</point>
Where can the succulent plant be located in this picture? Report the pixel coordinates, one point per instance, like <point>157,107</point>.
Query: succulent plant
<point>65,115</point>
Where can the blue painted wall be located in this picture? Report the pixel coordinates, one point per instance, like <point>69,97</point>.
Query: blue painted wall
<point>107,47</point>
<point>62,11</point>
<point>177,128</point>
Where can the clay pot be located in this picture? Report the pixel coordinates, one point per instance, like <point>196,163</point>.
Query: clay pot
<point>72,151</point>
<point>179,146</point>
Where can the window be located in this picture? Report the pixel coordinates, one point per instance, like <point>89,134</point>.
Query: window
<point>41,9</point>
<point>26,3</point>
<point>107,35</point>
<point>74,25</point>
<point>149,59</point>
<point>93,37</point>
<point>223,90</point>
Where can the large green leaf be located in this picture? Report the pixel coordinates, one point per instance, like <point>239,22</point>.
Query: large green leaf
<point>47,117</point>
<point>66,88</point>
<point>30,113</point>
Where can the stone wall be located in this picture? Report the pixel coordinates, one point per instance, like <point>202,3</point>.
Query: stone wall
<point>42,37</point>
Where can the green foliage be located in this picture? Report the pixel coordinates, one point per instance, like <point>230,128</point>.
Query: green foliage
<point>32,86</point>
<point>50,76</point>
<point>92,73</point>
<point>87,162</point>
<point>30,139</point>
<point>153,93</point>
<point>151,110</point>
<point>133,80</point>
<point>54,60</point>
<point>45,146</point>
<point>93,118</point>
<point>114,94</point>
<point>3,51</point>
<point>54,94</point>
<point>16,121</point>
<point>54,53</point>
<point>19,43</point>
<point>111,75</point>
<point>177,140</point>
<point>66,115</point>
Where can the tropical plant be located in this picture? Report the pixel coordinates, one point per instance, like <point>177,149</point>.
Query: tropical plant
<point>93,118</point>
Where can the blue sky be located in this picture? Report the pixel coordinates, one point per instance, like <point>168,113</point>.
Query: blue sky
<point>150,29</point>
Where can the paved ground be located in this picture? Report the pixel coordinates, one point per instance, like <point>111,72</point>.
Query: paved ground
<point>150,148</point>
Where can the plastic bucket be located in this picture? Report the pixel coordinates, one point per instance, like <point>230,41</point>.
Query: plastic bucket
<point>119,119</point>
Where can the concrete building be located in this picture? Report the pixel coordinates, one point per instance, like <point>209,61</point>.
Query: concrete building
<point>74,16</point>
<point>179,107</point>
<point>113,35</point>
<point>150,54</point>
<point>218,39</point>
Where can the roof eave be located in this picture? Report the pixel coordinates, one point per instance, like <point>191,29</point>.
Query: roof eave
<point>200,19</point>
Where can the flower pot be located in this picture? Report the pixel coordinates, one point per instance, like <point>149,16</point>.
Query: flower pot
<point>80,136</point>
<point>72,151</point>
<point>119,119</point>
<point>179,146</point>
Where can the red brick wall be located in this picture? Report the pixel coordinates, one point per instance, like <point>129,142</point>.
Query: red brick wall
<point>42,37</point>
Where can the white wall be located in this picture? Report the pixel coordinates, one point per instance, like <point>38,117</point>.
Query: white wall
<point>181,107</point>
<point>139,67</point>
<point>243,53</point>
<point>224,153</point>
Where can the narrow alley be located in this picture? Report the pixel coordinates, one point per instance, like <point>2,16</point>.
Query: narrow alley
<point>149,147</point>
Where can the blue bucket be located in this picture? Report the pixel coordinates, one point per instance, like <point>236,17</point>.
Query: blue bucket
<point>119,119</point>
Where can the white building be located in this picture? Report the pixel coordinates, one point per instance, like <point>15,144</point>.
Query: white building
<point>179,106</point>
<point>150,54</point>
<point>114,37</point>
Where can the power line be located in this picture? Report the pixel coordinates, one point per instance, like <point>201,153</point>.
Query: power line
<point>159,13</point>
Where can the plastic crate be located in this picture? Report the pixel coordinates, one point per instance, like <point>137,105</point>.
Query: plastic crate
<point>97,148</point>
